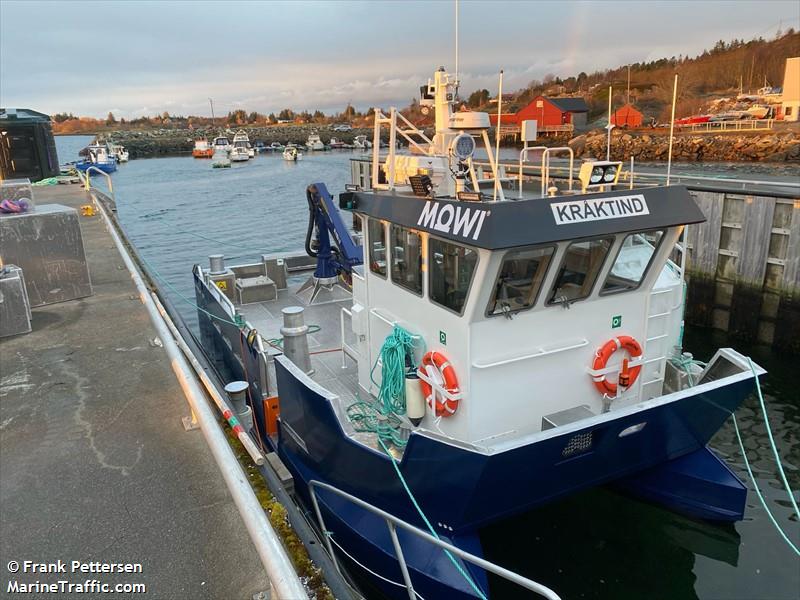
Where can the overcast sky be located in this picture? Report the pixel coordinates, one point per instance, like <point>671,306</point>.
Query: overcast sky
<point>135,58</point>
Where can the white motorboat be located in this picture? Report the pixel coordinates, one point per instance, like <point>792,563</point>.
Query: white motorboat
<point>314,142</point>
<point>361,143</point>
<point>222,143</point>
<point>241,147</point>
<point>275,147</point>
<point>292,154</point>
<point>118,152</point>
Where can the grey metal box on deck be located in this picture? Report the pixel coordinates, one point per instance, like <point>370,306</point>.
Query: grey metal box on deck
<point>15,310</point>
<point>47,244</point>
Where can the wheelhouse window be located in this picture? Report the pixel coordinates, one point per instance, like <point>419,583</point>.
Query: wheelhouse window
<point>579,269</point>
<point>406,258</point>
<point>376,233</point>
<point>520,278</point>
<point>633,259</point>
<point>451,268</point>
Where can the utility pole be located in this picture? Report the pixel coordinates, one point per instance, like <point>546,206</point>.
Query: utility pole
<point>628,95</point>
<point>211,102</point>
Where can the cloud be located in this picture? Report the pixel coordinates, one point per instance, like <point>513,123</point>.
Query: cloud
<point>147,57</point>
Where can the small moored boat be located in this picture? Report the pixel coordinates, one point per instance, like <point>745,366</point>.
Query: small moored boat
<point>314,142</point>
<point>221,142</point>
<point>240,151</point>
<point>291,153</point>
<point>97,156</point>
<point>202,149</point>
<point>118,152</point>
<point>361,143</point>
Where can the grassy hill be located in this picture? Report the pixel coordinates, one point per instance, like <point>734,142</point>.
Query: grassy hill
<point>715,73</point>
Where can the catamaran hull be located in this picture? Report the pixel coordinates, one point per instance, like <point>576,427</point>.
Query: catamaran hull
<point>462,490</point>
<point>655,450</point>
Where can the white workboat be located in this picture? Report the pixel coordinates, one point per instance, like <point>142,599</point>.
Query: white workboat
<point>492,355</point>
<point>118,152</point>
<point>240,151</point>
<point>314,142</point>
<point>291,153</point>
<point>362,143</point>
<point>221,143</point>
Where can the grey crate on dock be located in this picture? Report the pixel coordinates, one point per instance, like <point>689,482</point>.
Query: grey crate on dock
<point>47,244</point>
<point>15,310</point>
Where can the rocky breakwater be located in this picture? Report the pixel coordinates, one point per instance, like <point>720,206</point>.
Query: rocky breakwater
<point>163,142</point>
<point>765,147</point>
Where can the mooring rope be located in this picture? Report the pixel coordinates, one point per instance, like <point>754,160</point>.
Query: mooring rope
<point>413,499</point>
<point>685,363</point>
<point>772,440</point>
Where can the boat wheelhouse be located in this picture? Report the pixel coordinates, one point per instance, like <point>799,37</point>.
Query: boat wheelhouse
<point>202,149</point>
<point>314,142</point>
<point>221,143</point>
<point>98,156</point>
<point>476,356</point>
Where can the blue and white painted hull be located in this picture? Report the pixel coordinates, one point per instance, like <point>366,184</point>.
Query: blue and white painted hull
<point>655,449</point>
<point>462,490</point>
<point>105,167</point>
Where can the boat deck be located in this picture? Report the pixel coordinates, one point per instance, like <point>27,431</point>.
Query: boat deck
<point>333,370</point>
<point>96,465</point>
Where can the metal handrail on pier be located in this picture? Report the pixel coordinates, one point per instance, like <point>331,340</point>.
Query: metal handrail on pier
<point>392,523</point>
<point>282,575</point>
<point>88,185</point>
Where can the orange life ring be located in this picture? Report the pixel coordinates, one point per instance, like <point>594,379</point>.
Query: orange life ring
<point>435,366</point>
<point>601,359</point>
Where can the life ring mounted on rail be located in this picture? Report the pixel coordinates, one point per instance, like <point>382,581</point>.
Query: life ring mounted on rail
<point>601,382</point>
<point>437,368</point>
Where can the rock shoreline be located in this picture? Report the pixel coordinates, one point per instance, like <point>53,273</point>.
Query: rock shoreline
<point>766,147</point>
<point>774,147</point>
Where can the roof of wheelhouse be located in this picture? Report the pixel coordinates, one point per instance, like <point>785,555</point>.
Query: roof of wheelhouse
<point>498,225</point>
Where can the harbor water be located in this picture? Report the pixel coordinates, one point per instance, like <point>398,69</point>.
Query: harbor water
<point>597,544</point>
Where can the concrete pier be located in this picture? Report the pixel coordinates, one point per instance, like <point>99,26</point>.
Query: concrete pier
<point>95,465</point>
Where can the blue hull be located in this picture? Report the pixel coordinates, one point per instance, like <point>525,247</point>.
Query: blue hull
<point>462,490</point>
<point>108,167</point>
<point>465,490</point>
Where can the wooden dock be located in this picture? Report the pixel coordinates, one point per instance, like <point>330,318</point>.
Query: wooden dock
<point>744,265</point>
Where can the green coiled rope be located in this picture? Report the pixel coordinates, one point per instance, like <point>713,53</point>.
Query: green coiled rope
<point>398,345</point>
<point>381,417</point>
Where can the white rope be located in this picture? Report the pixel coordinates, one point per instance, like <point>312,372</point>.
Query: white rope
<point>367,569</point>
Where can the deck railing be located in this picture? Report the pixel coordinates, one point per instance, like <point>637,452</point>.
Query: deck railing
<point>392,523</point>
<point>721,126</point>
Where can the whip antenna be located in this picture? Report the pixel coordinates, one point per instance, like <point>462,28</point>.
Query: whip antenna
<point>672,126</point>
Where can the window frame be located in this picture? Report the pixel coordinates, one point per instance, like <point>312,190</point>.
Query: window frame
<point>390,263</point>
<point>429,270</point>
<point>614,239</point>
<point>646,271</point>
<point>371,220</point>
<point>554,247</point>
